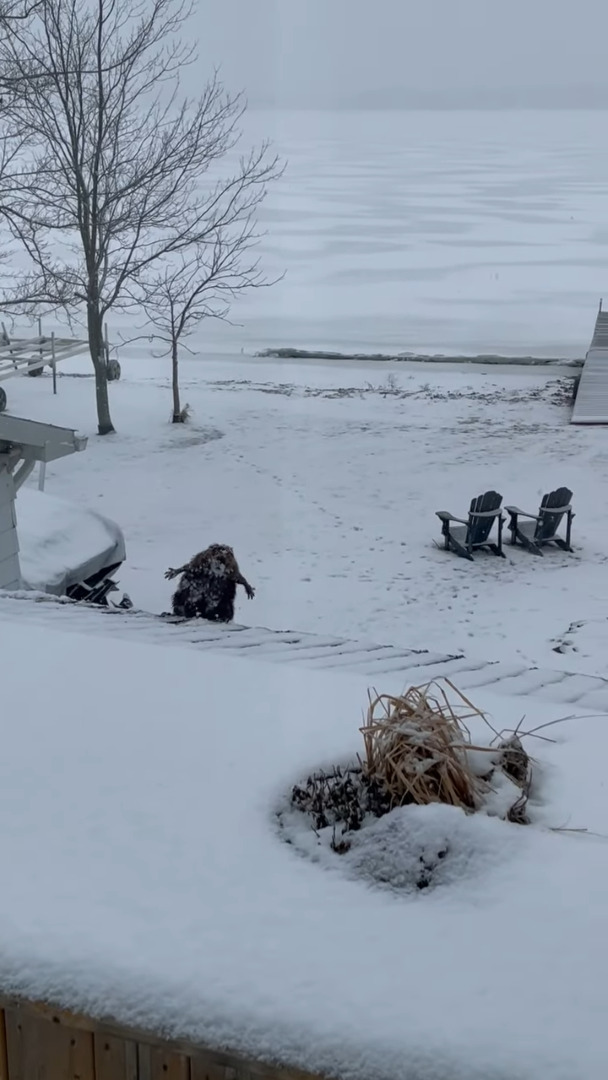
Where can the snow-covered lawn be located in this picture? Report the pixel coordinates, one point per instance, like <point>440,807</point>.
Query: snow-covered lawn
<point>147,876</point>
<point>325,479</point>
<point>143,875</point>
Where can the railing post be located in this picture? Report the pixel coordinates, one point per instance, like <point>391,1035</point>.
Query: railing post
<point>53,362</point>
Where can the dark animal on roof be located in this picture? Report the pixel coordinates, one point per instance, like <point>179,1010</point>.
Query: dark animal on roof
<point>207,589</point>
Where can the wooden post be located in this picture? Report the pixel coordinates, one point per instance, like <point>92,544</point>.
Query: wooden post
<point>53,362</point>
<point>37,1048</point>
<point>3,1048</point>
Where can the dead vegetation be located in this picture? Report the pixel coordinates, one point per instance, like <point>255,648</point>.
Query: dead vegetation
<point>559,392</point>
<point>342,796</point>
<point>415,746</point>
<point>516,764</point>
<point>417,750</point>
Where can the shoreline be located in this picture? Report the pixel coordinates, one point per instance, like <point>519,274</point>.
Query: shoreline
<point>420,358</point>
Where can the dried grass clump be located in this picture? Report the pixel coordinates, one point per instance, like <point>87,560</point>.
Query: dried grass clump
<point>416,747</point>
<point>514,761</point>
<point>417,750</point>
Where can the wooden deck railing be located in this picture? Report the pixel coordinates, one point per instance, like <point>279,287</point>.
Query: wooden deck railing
<point>38,1042</point>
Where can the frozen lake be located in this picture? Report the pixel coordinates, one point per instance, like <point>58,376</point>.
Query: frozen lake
<point>450,232</point>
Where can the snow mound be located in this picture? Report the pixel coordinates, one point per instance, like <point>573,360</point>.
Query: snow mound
<point>137,787</point>
<point>62,542</point>
<point>410,849</point>
<point>421,847</point>
<point>414,811</point>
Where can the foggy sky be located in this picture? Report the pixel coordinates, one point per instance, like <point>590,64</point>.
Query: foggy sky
<point>337,53</point>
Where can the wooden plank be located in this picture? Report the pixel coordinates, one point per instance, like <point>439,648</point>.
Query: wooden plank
<point>115,1059</point>
<point>156,1063</point>
<point>38,1049</point>
<point>10,576</point>
<point>207,1065</point>
<point>7,487</point>
<point>197,1056</point>
<point>600,334</point>
<point>20,357</point>
<point>9,543</point>
<point>591,405</point>
<point>7,513</point>
<point>33,433</point>
<point>203,1068</point>
<point>3,1050</point>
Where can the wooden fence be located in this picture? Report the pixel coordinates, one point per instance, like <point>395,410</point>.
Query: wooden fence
<point>38,1042</point>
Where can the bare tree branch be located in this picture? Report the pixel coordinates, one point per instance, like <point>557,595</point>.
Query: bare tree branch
<point>12,10</point>
<point>120,174</point>
<point>201,283</point>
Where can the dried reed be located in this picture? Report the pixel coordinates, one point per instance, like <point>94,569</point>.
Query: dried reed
<point>416,747</point>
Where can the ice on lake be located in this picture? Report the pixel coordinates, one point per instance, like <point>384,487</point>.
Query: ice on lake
<point>428,231</point>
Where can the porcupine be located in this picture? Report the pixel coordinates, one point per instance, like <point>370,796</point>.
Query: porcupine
<point>207,589</point>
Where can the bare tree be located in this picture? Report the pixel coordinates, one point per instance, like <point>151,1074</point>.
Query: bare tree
<point>11,144</point>
<point>202,284</point>
<point>17,9</point>
<point>120,174</point>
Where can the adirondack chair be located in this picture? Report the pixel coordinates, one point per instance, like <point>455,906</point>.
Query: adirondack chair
<point>475,532</point>
<point>540,529</point>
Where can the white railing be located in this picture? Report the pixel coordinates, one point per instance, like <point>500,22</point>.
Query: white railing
<point>19,355</point>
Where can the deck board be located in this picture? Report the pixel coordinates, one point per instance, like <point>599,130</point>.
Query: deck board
<point>591,405</point>
<point>407,666</point>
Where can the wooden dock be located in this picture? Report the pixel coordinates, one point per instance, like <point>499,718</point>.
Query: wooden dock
<point>591,405</point>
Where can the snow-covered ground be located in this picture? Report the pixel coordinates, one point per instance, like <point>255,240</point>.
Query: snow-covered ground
<point>325,479</point>
<point>145,877</point>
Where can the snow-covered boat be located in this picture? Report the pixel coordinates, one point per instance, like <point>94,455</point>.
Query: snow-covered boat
<point>48,544</point>
<point>65,549</point>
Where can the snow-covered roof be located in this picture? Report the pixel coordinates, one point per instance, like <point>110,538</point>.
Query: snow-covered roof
<point>62,543</point>
<point>145,879</point>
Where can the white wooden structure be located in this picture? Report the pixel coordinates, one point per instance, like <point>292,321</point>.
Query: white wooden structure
<point>22,444</point>
<point>10,575</point>
<point>28,356</point>
<point>591,405</point>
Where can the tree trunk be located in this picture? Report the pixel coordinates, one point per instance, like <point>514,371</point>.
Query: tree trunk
<point>96,347</point>
<point>177,408</point>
